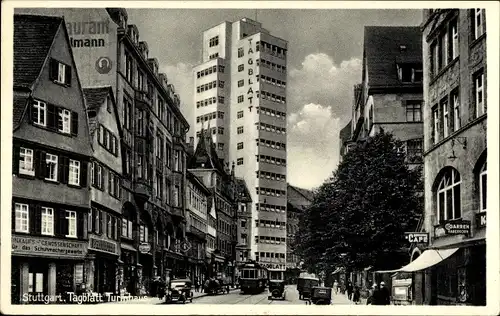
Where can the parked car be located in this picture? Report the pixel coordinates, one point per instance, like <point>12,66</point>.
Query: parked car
<point>180,291</point>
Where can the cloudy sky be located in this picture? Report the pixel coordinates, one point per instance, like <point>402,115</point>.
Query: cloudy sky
<point>325,49</point>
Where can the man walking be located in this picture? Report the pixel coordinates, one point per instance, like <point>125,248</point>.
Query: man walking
<point>336,287</point>
<point>385,294</point>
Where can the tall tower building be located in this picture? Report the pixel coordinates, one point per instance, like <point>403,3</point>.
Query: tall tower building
<point>240,95</point>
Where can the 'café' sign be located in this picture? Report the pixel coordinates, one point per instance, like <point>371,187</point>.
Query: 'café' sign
<point>421,238</point>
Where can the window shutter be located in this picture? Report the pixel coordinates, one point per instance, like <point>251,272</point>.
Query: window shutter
<point>96,166</point>
<point>79,224</point>
<point>118,228</point>
<point>15,158</point>
<point>64,169</point>
<point>54,69</point>
<point>101,221</point>
<point>13,212</point>
<point>60,169</point>
<point>58,222</point>
<point>36,219</point>
<point>33,112</point>
<point>40,164</point>
<point>74,123</point>
<point>52,117</point>
<point>67,75</point>
<point>83,174</point>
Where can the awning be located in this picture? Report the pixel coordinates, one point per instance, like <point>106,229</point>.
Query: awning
<point>427,259</point>
<point>127,247</point>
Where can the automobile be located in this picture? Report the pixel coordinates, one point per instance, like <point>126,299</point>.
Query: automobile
<point>180,291</point>
<point>321,295</point>
<point>305,283</point>
<point>277,289</point>
<point>213,286</point>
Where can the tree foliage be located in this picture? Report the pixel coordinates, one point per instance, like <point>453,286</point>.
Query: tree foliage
<point>359,215</point>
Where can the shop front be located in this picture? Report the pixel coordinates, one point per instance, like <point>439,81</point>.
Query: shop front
<point>128,258</point>
<point>107,269</point>
<point>148,267</point>
<point>44,268</point>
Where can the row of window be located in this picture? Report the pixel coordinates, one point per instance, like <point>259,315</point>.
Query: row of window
<point>213,56</point>
<point>271,176</point>
<point>271,128</point>
<point>211,100</point>
<point>100,222</point>
<point>271,112</point>
<point>409,73</point>
<point>272,224</point>
<point>224,227</point>
<point>54,118</point>
<point>270,143</point>
<point>264,95</point>
<point>445,48</point>
<point>223,205</point>
<point>270,208</point>
<point>272,81</point>
<point>271,49</point>
<point>198,223</point>
<point>197,201</point>
<point>46,220</point>
<point>108,140</point>
<point>270,159</point>
<point>270,65</point>
<point>446,115</point>
<point>50,167</point>
<point>210,70</point>
<point>277,255</point>
<point>98,175</point>
<point>210,85</point>
<point>210,116</point>
<point>224,246</point>
<point>269,191</point>
<point>270,239</point>
<point>448,195</point>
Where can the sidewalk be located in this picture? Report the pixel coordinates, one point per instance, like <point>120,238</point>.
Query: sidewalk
<point>148,300</point>
<point>342,299</point>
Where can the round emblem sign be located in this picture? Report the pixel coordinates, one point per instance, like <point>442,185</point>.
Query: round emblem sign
<point>185,246</point>
<point>144,247</point>
<point>103,65</point>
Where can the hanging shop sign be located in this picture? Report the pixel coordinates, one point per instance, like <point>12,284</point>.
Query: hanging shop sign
<point>32,246</point>
<point>144,247</point>
<point>103,245</point>
<point>481,220</point>
<point>185,246</point>
<point>421,238</point>
<point>457,228</point>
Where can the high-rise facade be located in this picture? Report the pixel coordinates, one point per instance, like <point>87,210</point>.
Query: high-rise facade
<point>240,96</point>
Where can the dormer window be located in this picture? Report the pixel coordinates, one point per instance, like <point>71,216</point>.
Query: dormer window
<point>402,48</point>
<point>409,73</point>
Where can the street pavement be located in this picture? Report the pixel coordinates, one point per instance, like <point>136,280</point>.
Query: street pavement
<point>235,297</point>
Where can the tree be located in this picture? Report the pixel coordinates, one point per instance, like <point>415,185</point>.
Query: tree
<point>359,215</point>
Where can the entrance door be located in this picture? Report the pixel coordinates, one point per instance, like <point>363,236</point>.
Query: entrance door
<point>38,279</point>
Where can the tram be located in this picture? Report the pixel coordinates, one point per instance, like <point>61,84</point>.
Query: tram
<point>253,278</point>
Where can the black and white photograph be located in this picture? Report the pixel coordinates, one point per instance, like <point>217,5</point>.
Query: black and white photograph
<point>168,156</point>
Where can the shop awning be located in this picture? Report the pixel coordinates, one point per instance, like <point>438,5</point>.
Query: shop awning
<point>427,259</point>
<point>127,247</point>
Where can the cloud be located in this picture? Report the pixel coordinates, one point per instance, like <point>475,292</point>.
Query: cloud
<point>312,145</point>
<point>321,81</point>
<point>320,96</point>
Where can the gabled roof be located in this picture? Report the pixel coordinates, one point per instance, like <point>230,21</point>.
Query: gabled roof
<point>18,107</point>
<point>205,155</point>
<point>382,52</point>
<point>191,176</point>
<point>345,133</point>
<point>298,197</point>
<point>33,38</point>
<point>242,190</point>
<point>95,97</point>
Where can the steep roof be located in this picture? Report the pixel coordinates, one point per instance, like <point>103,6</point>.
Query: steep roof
<point>345,133</point>
<point>382,52</point>
<point>242,190</point>
<point>205,155</point>
<point>33,37</point>
<point>95,97</point>
<point>18,107</point>
<point>298,197</point>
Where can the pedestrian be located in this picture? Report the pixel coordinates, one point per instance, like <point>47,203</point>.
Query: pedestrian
<point>196,285</point>
<point>356,295</point>
<point>336,287</point>
<point>369,300</point>
<point>385,294</point>
<point>349,290</point>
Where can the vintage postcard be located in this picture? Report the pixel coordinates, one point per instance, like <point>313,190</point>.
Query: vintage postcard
<point>282,157</point>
